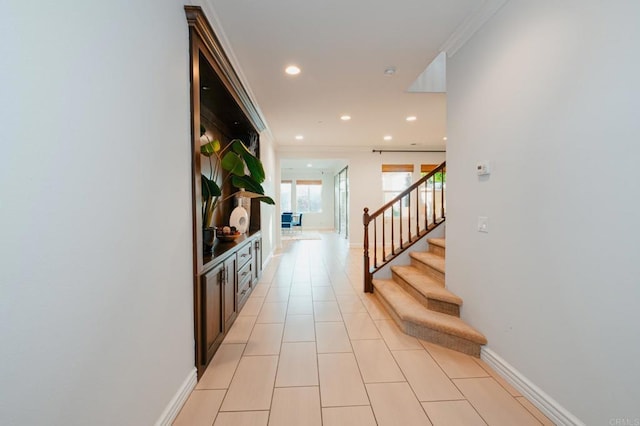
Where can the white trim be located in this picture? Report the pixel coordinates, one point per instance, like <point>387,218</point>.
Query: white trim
<point>468,28</point>
<point>267,260</point>
<point>175,405</point>
<point>549,406</point>
<point>284,149</point>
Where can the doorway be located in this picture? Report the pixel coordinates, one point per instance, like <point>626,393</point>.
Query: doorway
<point>341,210</point>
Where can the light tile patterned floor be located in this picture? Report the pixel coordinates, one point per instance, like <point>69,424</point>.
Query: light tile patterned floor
<point>310,348</point>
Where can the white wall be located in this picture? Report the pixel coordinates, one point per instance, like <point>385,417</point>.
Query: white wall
<point>549,92</point>
<point>96,317</point>
<point>365,179</point>
<point>271,187</point>
<point>325,218</point>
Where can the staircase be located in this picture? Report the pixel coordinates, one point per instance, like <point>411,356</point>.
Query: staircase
<point>420,304</point>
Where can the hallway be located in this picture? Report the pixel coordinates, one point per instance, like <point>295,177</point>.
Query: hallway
<point>310,348</point>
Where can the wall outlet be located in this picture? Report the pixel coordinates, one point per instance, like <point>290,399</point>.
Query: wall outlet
<point>483,168</point>
<point>483,224</point>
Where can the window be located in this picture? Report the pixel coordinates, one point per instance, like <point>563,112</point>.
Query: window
<point>395,179</point>
<point>440,177</point>
<point>309,196</point>
<point>432,199</point>
<point>285,196</point>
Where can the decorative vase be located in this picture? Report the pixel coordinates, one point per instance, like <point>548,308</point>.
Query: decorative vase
<point>208,238</point>
<point>239,219</point>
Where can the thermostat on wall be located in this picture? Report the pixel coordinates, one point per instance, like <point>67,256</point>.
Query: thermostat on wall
<point>483,168</point>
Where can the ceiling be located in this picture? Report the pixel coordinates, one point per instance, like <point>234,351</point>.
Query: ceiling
<point>300,164</point>
<point>343,49</point>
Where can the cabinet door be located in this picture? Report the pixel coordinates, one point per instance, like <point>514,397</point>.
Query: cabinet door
<point>212,325</point>
<point>229,291</point>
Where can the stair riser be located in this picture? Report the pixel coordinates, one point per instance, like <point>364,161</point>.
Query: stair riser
<point>433,273</point>
<point>433,304</point>
<point>444,307</point>
<point>440,251</point>
<point>448,341</point>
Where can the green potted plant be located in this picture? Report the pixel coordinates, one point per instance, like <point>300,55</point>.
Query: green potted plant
<point>243,169</point>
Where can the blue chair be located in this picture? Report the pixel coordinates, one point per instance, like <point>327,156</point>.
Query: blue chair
<point>298,222</point>
<point>286,220</point>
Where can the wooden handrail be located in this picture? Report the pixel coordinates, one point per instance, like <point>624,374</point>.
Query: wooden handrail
<point>421,230</point>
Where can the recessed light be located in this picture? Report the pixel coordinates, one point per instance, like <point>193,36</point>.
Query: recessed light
<point>390,71</point>
<point>444,139</point>
<point>387,138</point>
<point>292,70</point>
<point>309,165</point>
<point>345,118</point>
<point>412,118</point>
<point>299,137</point>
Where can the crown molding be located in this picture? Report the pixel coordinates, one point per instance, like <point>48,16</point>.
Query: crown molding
<point>470,26</point>
<point>230,56</point>
<point>295,149</point>
<point>321,148</point>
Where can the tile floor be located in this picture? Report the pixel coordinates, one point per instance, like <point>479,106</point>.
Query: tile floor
<point>310,348</point>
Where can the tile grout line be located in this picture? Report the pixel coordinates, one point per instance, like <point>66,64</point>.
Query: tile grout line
<point>525,407</point>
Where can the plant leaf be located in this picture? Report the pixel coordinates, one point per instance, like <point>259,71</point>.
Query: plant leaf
<point>210,148</point>
<point>253,163</point>
<point>210,188</point>
<point>255,196</point>
<point>267,200</point>
<point>248,194</point>
<point>232,163</point>
<point>248,183</point>
<point>255,167</point>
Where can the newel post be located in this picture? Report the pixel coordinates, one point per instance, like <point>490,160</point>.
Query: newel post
<point>368,284</point>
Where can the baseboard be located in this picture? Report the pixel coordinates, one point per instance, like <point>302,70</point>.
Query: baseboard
<point>266,261</point>
<point>550,407</point>
<point>175,405</point>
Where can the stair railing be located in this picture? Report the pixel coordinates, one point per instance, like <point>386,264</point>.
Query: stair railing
<point>414,213</point>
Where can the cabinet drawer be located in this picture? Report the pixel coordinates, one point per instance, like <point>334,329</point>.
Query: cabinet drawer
<point>245,275</point>
<point>244,255</point>
<point>245,278</point>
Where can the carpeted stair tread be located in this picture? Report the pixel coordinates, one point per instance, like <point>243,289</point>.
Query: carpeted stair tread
<point>410,310</point>
<point>426,285</point>
<point>440,242</point>
<point>430,259</point>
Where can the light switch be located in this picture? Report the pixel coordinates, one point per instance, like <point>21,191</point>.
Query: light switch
<point>483,224</point>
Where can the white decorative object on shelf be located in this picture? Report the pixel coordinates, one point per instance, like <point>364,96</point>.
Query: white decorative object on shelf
<point>240,219</point>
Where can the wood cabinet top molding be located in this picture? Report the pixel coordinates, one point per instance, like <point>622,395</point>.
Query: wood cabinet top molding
<point>199,23</point>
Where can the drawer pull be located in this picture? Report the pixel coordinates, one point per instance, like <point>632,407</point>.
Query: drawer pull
<point>243,292</point>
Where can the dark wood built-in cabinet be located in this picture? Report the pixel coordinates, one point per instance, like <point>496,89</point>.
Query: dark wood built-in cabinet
<point>224,278</point>
<point>224,289</point>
